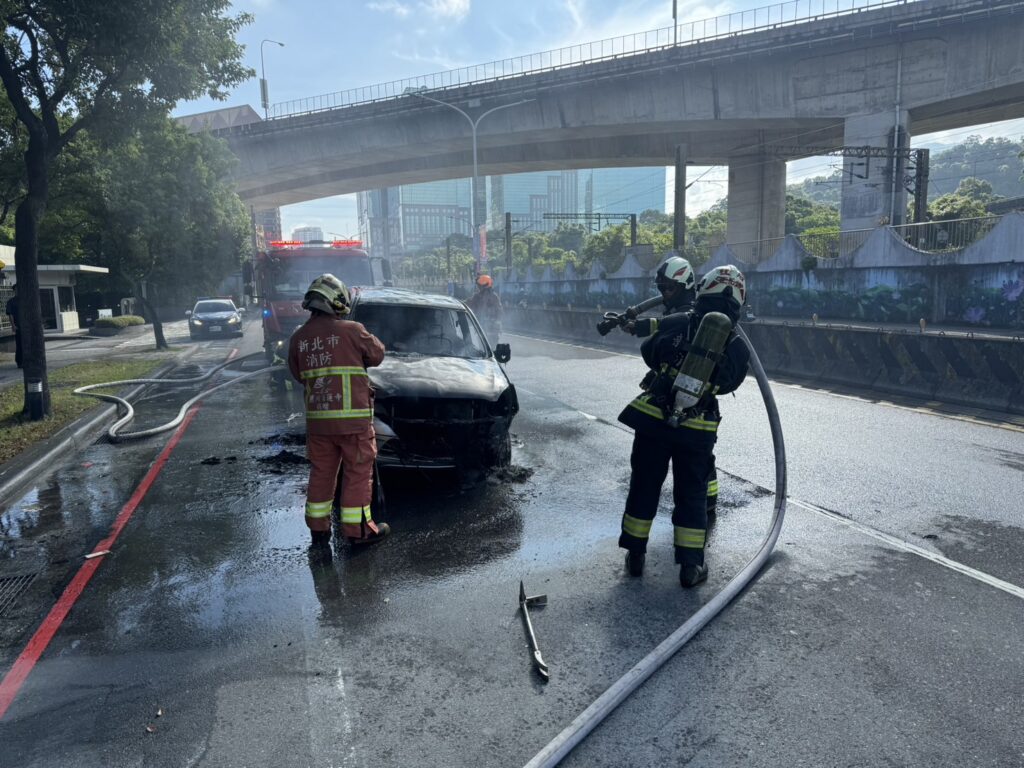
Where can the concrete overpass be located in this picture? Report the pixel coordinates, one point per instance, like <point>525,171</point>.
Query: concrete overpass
<point>735,100</point>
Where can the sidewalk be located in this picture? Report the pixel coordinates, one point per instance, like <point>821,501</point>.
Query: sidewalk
<point>76,348</point>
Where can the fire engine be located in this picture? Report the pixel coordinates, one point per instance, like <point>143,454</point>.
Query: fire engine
<point>279,276</point>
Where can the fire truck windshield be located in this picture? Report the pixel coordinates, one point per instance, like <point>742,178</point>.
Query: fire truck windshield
<point>290,277</point>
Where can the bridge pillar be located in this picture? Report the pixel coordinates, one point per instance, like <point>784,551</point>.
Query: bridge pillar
<point>757,200</point>
<point>869,197</point>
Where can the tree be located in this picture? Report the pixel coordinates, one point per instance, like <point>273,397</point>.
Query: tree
<point>568,237</point>
<point>976,189</point>
<point>173,222</point>
<point>607,247</point>
<point>955,206</point>
<point>704,231</point>
<point>67,68</point>
<point>803,214</point>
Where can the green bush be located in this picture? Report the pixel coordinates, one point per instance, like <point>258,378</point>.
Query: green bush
<point>122,321</point>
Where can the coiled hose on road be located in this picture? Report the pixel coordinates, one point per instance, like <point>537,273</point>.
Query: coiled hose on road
<point>592,716</point>
<point>114,432</point>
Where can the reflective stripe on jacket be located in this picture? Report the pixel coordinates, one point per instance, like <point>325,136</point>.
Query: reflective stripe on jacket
<point>329,356</point>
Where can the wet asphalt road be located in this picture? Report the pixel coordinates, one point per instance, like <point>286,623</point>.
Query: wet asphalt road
<point>847,651</point>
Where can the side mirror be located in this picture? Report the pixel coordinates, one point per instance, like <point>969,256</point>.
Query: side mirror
<point>502,353</point>
<point>188,313</point>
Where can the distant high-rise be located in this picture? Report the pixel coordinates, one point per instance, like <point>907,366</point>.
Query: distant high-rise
<point>421,216</point>
<point>306,234</point>
<point>269,221</point>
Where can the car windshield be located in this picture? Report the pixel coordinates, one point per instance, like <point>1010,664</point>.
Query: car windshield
<point>214,306</point>
<point>423,330</point>
<point>290,278</point>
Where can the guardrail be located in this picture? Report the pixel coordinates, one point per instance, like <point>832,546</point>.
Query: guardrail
<point>686,34</point>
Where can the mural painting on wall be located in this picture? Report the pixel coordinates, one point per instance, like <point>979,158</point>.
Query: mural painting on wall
<point>882,303</point>
<point>1001,307</point>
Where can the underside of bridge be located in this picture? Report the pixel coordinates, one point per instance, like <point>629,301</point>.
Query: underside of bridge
<point>752,103</point>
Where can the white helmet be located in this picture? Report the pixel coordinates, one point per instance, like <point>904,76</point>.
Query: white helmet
<point>723,283</point>
<point>675,269</point>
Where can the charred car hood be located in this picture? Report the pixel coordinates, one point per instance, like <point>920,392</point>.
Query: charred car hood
<point>444,377</point>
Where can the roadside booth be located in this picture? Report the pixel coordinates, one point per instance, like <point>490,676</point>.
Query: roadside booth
<point>56,292</point>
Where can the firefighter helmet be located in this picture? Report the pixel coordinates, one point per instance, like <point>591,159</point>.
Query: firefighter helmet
<point>723,283</point>
<point>328,293</point>
<point>485,281</point>
<point>675,269</point>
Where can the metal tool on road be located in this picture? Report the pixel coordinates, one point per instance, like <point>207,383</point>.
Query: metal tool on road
<point>524,603</point>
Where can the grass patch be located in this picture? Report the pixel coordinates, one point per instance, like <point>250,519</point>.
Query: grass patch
<point>17,434</point>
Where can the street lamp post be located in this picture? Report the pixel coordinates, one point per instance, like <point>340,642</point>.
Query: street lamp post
<point>474,182</point>
<point>675,22</point>
<point>264,91</point>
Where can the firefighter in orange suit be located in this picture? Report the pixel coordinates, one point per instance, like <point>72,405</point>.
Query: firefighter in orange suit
<point>329,356</point>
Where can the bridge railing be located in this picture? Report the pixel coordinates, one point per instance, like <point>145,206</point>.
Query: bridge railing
<point>685,34</point>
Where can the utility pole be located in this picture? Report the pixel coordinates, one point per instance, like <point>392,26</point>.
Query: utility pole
<point>921,185</point>
<point>477,222</point>
<point>508,242</point>
<point>679,224</point>
<point>632,229</point>
<point>264,90</point>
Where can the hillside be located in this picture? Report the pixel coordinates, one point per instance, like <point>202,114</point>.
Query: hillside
<point>995,160</point>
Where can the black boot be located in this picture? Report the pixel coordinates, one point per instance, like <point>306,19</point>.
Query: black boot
<point>690,575</point>
<point>383,529</point>
<point>320,538</point>
<point>635,562</point>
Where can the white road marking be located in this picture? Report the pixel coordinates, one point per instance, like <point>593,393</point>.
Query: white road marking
<point>906,546</point>
<point>879,535</point>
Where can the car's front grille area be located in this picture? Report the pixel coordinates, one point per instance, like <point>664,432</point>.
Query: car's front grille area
<point>437,428</point>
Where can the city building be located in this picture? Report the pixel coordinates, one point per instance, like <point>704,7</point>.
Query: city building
<point>421,216</point>
<point>268,222</point>
<point>306,234</point>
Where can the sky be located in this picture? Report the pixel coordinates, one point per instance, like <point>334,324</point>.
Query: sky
<point>333,45</point>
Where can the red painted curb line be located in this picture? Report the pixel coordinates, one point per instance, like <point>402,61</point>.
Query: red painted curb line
<point>27,659</point>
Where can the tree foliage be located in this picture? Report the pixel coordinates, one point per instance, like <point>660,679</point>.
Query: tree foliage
<point>173,223</point>
<point>995,160</point>
<point>99,65</point>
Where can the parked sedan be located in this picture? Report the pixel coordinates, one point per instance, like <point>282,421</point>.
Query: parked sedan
<point>441,388</point>
<point>214,317</point>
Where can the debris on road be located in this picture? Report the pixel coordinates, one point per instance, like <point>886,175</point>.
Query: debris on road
<point>91,555</point>
<point>511,474</point>
<point>524,603</point>
<point>279,461</point>
<point>212,460</point>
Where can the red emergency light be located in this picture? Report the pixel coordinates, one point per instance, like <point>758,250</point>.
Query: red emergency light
<point>347,244</point>
<point>285,243</point>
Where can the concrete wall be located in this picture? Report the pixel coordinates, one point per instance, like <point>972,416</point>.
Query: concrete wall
<point>884,280</point>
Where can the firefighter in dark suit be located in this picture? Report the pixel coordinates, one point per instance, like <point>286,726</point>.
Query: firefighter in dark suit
<point>689,445</point>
